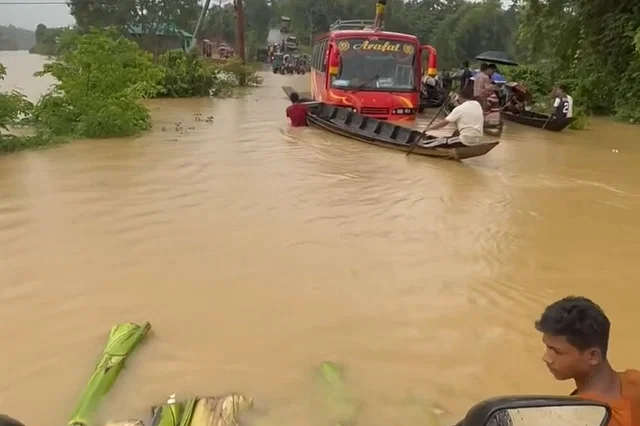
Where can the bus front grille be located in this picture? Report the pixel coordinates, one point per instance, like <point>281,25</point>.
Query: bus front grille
<point>374,111</point>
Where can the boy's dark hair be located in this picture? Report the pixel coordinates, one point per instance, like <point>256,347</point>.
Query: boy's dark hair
<point>294,97</point>
<point>484,66</point>
<point>8,421</point>
<point>578,319</point>
<point>562,87</point>
<point>492,66</point>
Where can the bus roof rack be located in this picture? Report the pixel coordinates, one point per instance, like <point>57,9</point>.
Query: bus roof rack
<point>353,24</point>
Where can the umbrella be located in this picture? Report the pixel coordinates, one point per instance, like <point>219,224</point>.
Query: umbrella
<point>496,57</point>
<point>495,78</point>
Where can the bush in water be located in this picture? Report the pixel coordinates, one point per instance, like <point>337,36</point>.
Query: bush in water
<point>190,75</point>
<point>14,106</point>
<point>245,75</point>
<point>101,77</point>
<point>186,74</point>
<point>15,110</point>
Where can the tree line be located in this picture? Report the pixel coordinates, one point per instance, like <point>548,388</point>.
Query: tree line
<point>14,38</point>
<point>100,80</point>
<point>590,45</point>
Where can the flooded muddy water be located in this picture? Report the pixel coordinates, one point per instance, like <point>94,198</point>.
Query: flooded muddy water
<point>258,251</point>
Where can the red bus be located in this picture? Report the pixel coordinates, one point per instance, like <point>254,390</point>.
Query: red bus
<point>377,73</point>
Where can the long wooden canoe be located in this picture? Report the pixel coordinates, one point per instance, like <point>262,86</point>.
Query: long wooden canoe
<point>345,122</point>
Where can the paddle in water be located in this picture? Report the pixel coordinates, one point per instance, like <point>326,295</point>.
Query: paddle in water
<point>419,138</point>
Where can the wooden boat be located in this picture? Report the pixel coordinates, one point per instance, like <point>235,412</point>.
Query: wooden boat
<point>304,96</point>
<point>534,119</point>
<point>345,122</point>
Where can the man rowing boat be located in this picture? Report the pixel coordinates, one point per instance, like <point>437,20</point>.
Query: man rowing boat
<point>469,120</point>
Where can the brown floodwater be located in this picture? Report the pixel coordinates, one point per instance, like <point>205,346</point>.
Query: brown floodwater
<point>258,251</point>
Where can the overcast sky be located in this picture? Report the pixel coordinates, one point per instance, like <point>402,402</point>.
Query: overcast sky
<point>28,16</point>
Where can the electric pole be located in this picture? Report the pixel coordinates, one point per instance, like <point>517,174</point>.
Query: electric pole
<point>239,7</point>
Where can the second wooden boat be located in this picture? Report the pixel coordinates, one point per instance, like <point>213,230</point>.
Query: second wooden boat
<point>537,120</point>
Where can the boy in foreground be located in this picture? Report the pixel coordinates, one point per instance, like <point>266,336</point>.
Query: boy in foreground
<point>575,332</point>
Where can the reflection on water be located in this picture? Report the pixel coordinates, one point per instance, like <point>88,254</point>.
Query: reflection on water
<point>258,251</point>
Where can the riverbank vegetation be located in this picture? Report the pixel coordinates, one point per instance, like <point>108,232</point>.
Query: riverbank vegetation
<point>47,40</point>
<point>14,38</point>
<point>101,78</point>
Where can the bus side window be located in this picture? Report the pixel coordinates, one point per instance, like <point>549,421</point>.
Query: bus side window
<point>323,56</point>
<point>314,57</point>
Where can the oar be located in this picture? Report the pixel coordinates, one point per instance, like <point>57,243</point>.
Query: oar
<point>415,142</point>
<point>547,122</point>
<point>507,103</point>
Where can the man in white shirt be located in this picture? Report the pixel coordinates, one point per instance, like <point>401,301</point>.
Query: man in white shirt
<point>469,120</point>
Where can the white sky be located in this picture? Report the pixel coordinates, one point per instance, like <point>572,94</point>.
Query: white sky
<point>28,16</point>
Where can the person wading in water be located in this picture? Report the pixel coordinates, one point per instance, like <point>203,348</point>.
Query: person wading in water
<point>575,332</point>
<point>297,112</point>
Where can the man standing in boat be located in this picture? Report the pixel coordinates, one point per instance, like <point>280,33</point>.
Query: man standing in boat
<point>483,87</point>
<point>469,120</point>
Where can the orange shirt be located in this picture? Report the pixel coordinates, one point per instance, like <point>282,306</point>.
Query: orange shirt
<point>625,411</point>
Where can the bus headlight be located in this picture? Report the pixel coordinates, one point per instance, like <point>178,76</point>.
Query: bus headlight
<point>404,111</point>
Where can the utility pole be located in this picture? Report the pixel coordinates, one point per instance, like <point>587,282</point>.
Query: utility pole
<point>218,40</point>
<point>203,14</point>
<point>239,7</point>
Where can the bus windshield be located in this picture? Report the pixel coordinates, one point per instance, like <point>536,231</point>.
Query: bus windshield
<point>376,65</point>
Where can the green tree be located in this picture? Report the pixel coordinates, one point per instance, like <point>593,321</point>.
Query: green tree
<point>220,22</point>
<point>41,30</point>
<point>100,77</point>
<point>590,45</point>
<point>145,14</point>
<point>258,14</point>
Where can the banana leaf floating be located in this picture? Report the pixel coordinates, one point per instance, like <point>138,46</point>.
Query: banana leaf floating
<point>343,408</point>
<point>200,411</point>
<point>123,340</point>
